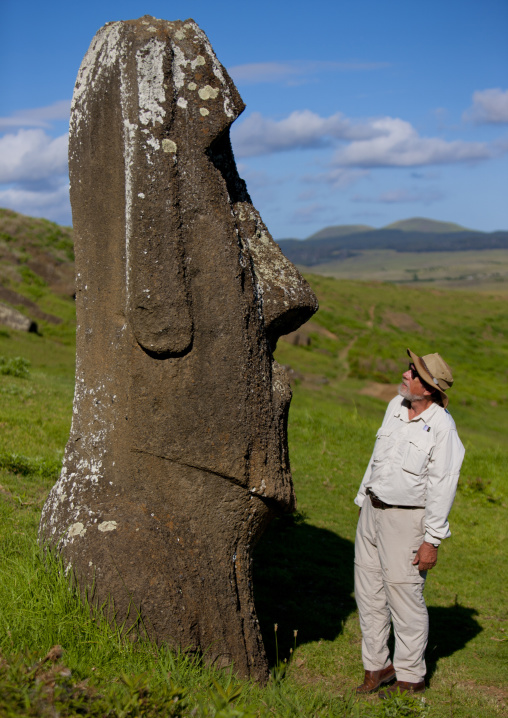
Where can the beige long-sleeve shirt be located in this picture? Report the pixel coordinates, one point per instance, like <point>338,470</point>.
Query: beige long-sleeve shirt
<point>416,463</point>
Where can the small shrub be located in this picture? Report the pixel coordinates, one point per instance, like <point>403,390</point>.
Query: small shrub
<point>477,488</point>
<point>16,366</point>
<point>22,392</point>
<point>26,466</point>
<point>31,277</point>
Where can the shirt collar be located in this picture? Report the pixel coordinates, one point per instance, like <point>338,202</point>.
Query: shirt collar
<point>402,412</point>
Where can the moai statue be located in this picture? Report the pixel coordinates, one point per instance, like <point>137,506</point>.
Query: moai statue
<point>177,457</point>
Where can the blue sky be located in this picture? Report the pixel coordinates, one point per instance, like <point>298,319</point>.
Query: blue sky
<point>358,111</point>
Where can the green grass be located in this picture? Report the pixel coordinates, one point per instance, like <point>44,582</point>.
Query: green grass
<point>485,270</point>
<point>303,567</point>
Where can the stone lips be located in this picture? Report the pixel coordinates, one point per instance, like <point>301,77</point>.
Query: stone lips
<point>177,457</point>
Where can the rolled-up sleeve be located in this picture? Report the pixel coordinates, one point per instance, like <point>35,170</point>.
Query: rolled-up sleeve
<point>443,476</point>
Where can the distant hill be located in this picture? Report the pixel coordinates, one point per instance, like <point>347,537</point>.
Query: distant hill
<point>411,235</point>
<point>420,224</point>
<point>340,231</point>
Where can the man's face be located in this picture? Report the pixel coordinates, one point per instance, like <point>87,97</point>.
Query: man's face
<point>412,388</point>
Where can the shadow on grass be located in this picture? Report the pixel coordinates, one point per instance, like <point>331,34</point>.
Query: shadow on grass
<point>451,628</point>
<point>303,580</point>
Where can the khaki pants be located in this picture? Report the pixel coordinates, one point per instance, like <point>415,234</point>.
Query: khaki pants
<point>388,586</point>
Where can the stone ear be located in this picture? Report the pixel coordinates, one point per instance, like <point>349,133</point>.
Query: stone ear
<point>157,296</point>
<point>158,300</point>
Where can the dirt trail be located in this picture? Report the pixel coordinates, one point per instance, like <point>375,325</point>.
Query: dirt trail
<point>343,355</point>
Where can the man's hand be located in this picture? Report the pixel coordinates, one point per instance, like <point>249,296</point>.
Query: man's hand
<point>426,557</point>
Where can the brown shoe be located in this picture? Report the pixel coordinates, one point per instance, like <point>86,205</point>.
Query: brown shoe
<point>374,679</point>
<point>402,687</point>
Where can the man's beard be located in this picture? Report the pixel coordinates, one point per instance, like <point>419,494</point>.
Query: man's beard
<point>406,394</point>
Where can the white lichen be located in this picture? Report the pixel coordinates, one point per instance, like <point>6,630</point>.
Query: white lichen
<point>179,64</point>
<point>107,526</point>
<point>168,145</point>
<point>150,75</point>
<point>76,529</point>
<point>208,93</point>
<point>198,61</point>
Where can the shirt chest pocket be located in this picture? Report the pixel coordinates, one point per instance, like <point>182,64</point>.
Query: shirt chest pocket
<point>383,445</point>
<point>416,457</point>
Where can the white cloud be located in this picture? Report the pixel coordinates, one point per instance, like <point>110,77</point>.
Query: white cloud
<point>398,144</point>
<point>52,204</point>
<point>339,177</point>
<point>258,135</point>
<point>403,196</point>
<point>294,72</point>
<point>489,107</point>
<point>31,155</point>
<point>33,172</point>
<point>38,116</point>
<point>378,142</point>
<point>308,213</point>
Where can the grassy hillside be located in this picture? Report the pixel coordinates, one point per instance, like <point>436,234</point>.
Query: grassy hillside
<point>345,364</point>
<point>35,251</point>
<point>483,271</point>
<point>421,224</point>
<point>340,230</point>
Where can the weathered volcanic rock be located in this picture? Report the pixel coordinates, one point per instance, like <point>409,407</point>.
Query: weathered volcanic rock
<point>13,319</point>
<point>177,457</point>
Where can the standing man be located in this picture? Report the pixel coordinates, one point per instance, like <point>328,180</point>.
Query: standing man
<point>404,498</point>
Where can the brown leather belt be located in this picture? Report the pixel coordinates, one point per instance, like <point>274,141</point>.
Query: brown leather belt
<point>378,504</point>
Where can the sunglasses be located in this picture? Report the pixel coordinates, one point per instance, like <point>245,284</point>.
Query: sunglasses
<point>414,373</point>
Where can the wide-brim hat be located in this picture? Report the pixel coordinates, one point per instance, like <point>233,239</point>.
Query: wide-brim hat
<point>434,371</point>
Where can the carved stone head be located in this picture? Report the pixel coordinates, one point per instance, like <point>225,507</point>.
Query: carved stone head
<point>180,411</point>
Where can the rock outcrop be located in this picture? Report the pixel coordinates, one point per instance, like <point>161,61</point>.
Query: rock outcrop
<point>13,319</point>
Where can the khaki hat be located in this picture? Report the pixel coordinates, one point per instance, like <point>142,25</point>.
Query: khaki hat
<point>434,371</point>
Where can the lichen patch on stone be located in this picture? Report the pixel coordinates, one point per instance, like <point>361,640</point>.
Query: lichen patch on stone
<point>198,61</point>
<point>208,93</point>
<point>168,145</point>
<point>150,73</point>
<point>203,111</point>
<point>107,526</point>
<point>179,64</point>
<point>76,529</point>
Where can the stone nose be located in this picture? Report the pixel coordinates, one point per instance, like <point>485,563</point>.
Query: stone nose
<point>287,298</point>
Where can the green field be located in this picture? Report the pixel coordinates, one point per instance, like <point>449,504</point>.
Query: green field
<point>484,271</point>
<point>351,354</point>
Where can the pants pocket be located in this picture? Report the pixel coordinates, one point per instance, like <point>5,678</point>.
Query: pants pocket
<point>412,569</point>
